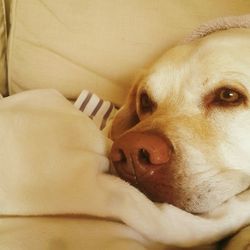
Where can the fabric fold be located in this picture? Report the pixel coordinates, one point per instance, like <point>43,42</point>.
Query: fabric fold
<point>54,161</point>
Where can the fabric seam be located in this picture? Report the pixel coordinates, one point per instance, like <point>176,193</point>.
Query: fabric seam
<point>5,47</point>
<point>10,42</point>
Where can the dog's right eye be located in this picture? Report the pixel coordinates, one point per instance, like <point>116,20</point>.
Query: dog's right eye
<point>146,104</point>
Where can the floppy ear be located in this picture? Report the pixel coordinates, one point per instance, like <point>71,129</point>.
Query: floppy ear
<point>126,117</point>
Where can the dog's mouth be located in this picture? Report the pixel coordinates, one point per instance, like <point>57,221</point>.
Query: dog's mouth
<point>145,173</point>
<point>147,182</point>
<point>193,196</point>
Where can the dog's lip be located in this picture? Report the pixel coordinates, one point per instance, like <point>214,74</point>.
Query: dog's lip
<point>126,175</point>
<point>137,180</point>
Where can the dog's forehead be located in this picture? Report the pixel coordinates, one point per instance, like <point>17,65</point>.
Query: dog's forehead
<point>193,68</point>
<point>168,72</point>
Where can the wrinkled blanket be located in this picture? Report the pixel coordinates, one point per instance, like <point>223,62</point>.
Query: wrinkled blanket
<point>54,161</point>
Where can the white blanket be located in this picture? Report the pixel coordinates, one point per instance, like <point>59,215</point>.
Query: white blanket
<point>53,160</point>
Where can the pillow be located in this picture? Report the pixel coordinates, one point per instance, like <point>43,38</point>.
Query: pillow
<point>97,45</point>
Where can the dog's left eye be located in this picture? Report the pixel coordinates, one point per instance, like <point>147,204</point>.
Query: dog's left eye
<point>227,97</point>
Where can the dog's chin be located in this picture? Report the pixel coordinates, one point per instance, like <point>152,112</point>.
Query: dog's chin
<point>200,201</point>
<point>206,206</point>
<point>186,192</point>
<point>210,194</point>
<point>197,205</point>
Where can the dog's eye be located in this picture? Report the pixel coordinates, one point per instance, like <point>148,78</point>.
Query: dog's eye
<point>146,104</point>
<point>227,97</point>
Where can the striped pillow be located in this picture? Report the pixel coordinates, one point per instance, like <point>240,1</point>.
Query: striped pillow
<point>95,108</point>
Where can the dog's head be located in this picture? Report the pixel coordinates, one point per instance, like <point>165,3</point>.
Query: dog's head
<point>183,135</point>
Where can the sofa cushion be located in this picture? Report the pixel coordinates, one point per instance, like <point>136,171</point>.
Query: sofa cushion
<point>98,45</point>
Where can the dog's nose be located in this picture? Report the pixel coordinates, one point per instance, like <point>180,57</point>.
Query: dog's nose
<point>137,156</point>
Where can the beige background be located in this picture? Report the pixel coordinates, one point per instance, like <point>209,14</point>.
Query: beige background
<point>99,45</point>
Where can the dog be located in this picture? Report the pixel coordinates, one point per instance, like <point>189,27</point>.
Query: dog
<point>182,136</point>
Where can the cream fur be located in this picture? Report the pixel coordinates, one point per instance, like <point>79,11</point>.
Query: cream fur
<point>212,145</point>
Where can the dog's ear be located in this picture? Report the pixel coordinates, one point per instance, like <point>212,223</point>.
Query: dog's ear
<point>127,116</point>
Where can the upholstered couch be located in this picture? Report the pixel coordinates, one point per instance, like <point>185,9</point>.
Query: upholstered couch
<point>71,45</point>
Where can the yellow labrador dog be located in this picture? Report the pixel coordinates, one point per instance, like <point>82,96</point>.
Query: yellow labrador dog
<point>183,135</point>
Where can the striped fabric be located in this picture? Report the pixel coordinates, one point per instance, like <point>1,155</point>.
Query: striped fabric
<point>97,109</point>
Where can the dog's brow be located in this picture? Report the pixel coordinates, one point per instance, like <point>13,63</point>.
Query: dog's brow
<point>233,84</point>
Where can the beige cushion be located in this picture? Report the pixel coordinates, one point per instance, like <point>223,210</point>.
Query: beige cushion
<point>3,46</point>
<point>98,45</point>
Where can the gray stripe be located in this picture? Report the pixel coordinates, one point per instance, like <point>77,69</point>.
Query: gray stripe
<point>105,117</point>
<point>86,101</point>
<point>98,106</point>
